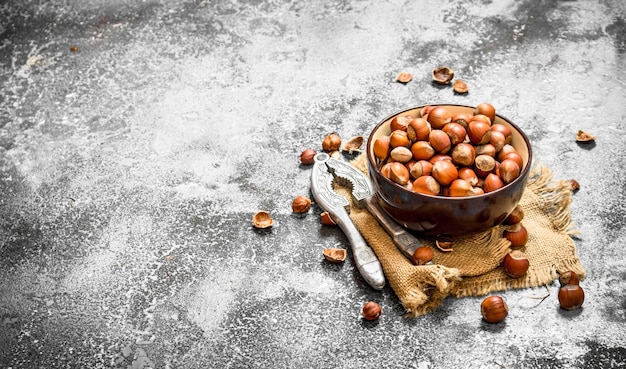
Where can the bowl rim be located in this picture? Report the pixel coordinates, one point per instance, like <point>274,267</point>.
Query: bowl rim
<point>523,173</point>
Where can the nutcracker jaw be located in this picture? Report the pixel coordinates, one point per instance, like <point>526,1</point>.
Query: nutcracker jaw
<point>326,171</point>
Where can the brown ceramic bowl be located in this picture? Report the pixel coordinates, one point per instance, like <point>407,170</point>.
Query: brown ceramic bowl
<point>447,216</point>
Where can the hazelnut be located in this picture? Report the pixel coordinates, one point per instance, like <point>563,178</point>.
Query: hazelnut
<point>422,255</point>
<point>494,309</point>
<point>516,215</point>
<point>307,157</point>
<point>571,297</point>
<point>331,142</point>
<point>518,235</point>
<point>439,117</point>
<point>486,109</point>
<point>371,311</point>
<point>301,204</point>
<point>515,264</point>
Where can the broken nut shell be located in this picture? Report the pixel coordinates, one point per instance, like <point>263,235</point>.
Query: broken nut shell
<point>262,219</point>
<point>353,145</point>
<point>442,75</point>
<point>335,256</point>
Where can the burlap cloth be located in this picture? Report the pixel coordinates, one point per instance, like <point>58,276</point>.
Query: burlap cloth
<point>473,268</point>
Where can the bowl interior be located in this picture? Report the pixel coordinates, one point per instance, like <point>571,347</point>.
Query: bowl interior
<point>519,141</point>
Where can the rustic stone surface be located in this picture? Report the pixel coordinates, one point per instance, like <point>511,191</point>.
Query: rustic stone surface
<point>138,138</point>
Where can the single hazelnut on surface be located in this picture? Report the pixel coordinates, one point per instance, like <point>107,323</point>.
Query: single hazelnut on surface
<point>307,156</point>
<point>331,142</point>
<point>571,296</point>
<point>371,311</point>
<point>301,204</point>
<point>422,255</point>
<point>494,309</point>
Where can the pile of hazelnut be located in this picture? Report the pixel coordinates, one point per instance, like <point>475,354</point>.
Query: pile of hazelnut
<point>440,153</point>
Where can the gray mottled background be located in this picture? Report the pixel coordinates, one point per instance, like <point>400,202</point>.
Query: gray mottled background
<point>130,169</point>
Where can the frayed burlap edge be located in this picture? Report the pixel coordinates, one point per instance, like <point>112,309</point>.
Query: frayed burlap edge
<point>553,198</point>
<point>422,291</point>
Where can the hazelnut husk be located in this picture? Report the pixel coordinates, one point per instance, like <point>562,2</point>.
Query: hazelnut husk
<point>404,77</point>
<point>582,136</point>
<point>326,219</point>
<point>334,255</point>
<point>442,75</point>
<point>354,144</point>
<point>460,86</point>
<point>262,219</point>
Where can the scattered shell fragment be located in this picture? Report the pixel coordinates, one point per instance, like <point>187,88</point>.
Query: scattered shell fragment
<point>444,244</point>
<point>262,219</point>
<point>404,77</point>
<point>583,136</point>
<point>327,219</point>
<point>333,255</point>
<point>443,75</point>
<point>460,86</point>
<point>353,144</point>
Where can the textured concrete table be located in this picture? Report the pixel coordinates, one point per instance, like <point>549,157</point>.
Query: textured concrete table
<point>137,138</point>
